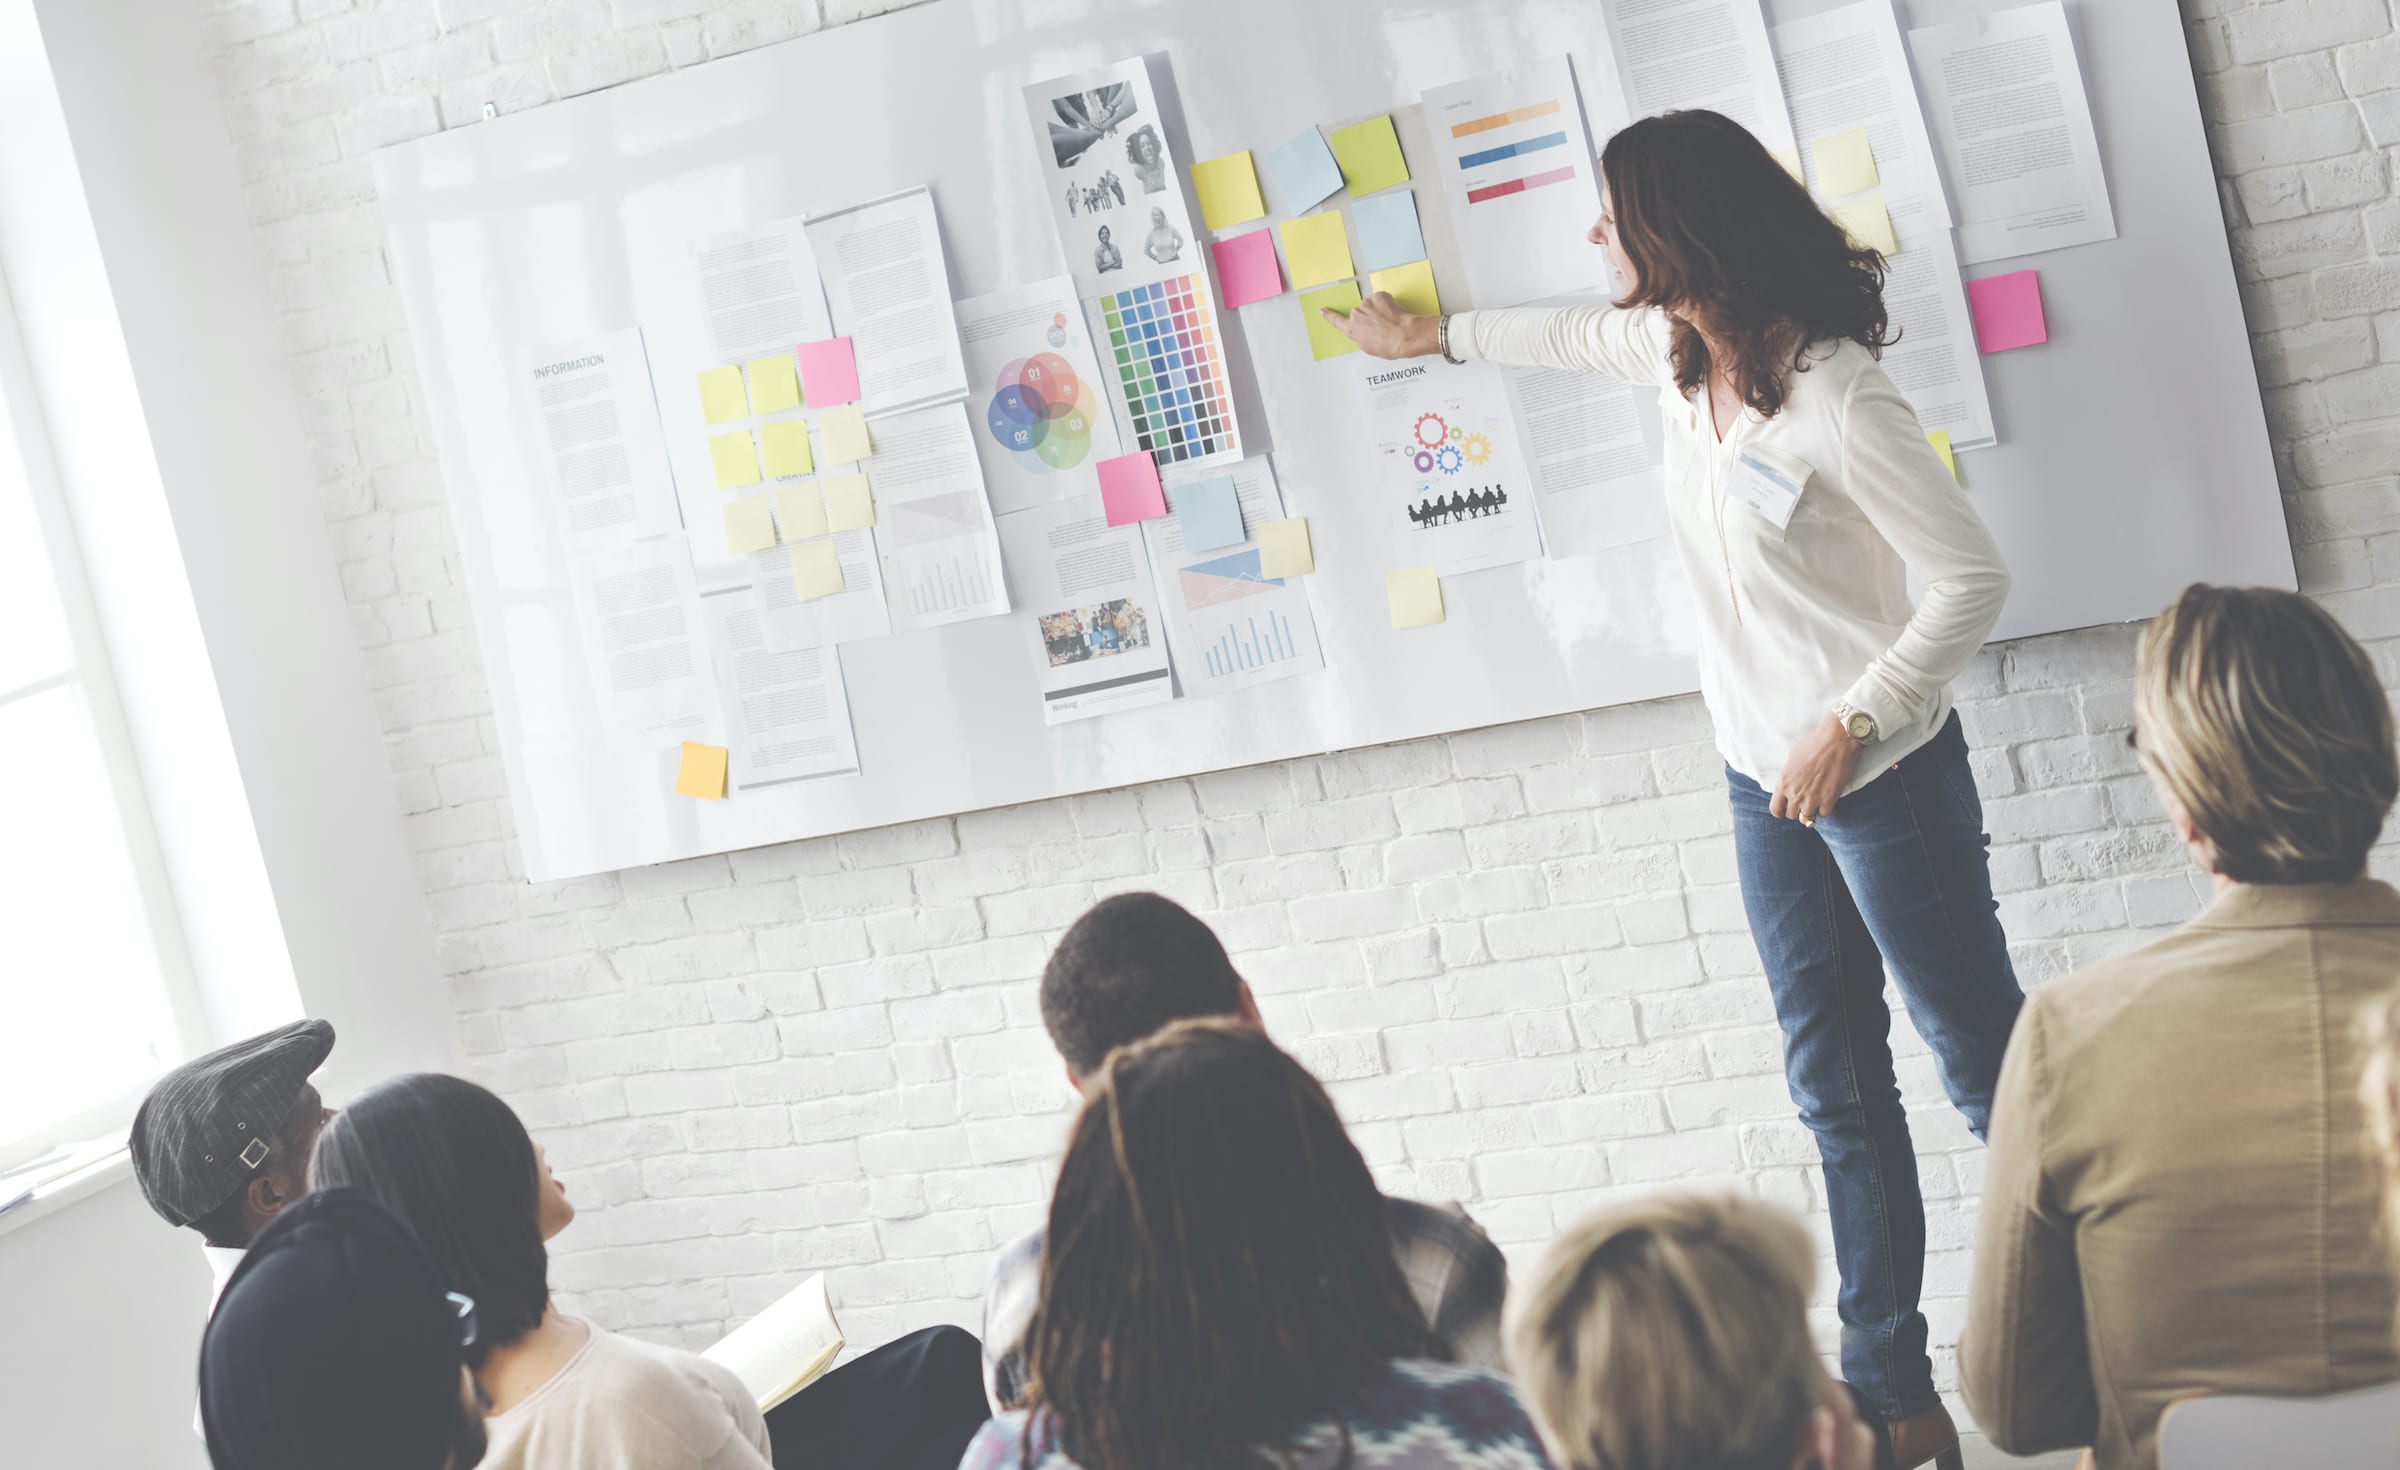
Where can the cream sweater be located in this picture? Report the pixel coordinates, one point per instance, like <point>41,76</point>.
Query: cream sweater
<point>622,1404</point>
<point>1799,617</point>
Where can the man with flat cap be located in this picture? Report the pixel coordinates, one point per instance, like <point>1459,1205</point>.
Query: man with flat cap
<point>221,1144</point>
<point>335,1345</point>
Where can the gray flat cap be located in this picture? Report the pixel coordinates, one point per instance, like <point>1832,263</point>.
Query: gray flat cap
<point>207,1125</point>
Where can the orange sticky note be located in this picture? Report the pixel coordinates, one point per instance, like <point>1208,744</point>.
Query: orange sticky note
<point>702,772</point>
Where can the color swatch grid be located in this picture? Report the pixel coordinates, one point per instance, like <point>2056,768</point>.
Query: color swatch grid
<point>1171,369</point>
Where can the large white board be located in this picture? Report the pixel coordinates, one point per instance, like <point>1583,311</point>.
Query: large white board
<point>2133,455</point>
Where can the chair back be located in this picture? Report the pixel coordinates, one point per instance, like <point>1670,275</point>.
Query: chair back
<point>2357,1430</point>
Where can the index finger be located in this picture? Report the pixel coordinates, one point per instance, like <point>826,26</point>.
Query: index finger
<point>1337,321</point>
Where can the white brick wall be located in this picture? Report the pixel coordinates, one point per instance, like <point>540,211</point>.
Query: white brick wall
<point>1518,954</point>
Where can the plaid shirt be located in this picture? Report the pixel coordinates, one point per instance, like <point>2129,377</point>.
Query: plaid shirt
<point>1458,1275</point>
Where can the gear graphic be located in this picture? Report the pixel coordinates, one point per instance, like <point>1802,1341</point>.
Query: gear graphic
<point>1478,448</point>
<point>1424,461</point>
<point>1440,432</point>
<point>1457,433</point>
<point>1450,459</point>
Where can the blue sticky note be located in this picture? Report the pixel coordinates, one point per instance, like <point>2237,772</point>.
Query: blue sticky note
<point>1210,514</point>
<point>1387,231</point>
<point>1303,172</point>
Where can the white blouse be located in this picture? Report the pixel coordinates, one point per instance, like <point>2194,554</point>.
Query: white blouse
<point>1799,533</point>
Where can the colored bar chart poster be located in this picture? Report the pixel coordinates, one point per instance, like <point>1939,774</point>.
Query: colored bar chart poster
<point>1452,485</point>
<point>1228,625</point>
<point>1034,382</point>
<point>1167,361</point>
<point>1516,170</point>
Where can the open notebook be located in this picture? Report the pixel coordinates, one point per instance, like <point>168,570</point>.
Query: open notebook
<point>785,1348</point>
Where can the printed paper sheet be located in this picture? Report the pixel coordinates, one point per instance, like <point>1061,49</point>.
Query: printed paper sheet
<point>606,457</point>
<point>1452,486</point>
<point>888,286</point>
<point>1090,609</point>
<point>933,527</point>
<point>1517,173</point>
<point>787,712</point>
<point>1228,624</point>
<point>1035,385</point>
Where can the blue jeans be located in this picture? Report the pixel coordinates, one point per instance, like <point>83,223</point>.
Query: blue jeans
<point>1898,872</point>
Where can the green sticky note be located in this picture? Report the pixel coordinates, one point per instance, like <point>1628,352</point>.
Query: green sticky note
<point>784,442</point>
<point>1369,153</point>
<point>1940,440</point>
<point>1867,223</point>
<point>774,383</point>
<point>721,400</point>
<point>849,502</point>
<point>800,510</point>
<point>816,569</point>
<point>1845,163</point>
<point>1415,596</point>
<point>749,524</point>
<point>735,460</point>
<point>1284,550</point>
<point>1316,249</point>
<point>1228,189</point>
<point>1411,285</point>
<point>1324,338</point>
<point>845,433</point>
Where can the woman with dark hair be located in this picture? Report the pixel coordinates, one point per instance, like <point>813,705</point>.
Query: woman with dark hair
<point>452,1161</point>
<point>1219,1288</point>
<point>1804,498</point>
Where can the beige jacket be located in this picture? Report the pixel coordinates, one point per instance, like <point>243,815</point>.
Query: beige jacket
<point>2179,1198</point>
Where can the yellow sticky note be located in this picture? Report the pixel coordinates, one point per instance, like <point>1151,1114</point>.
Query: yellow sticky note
<point>1411,285</point>
<point>735,460</point>
<point>785,444</point>
<point>816,569</point>
<point>721,400</point>
<point>800,510</point>
<point>1845,163</point>
<point>1415,595</point>
<point>1324,338</point>
<point>844,431</point>
<point>1228,189</point>
<point>1369,153</point>
<point>749,524</point>
<point>1790,159</point>
<point>1284,551</point>
<point>1940,440</point>
<point>1316,249</point>
<point>1867,223</point>
<point>774,383</point>
<point>849,502</point>
<point>702,772</point>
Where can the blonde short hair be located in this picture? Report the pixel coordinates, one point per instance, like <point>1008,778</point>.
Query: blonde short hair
<point>1671,1334</point>
<point>2265,722</point>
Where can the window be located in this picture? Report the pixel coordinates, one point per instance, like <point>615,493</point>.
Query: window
<point>95,993</point>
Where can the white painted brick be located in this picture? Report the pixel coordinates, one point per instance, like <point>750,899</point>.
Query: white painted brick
<point>2286,27</point>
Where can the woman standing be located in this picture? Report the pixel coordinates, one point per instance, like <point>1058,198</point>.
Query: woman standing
<point>1803,497</point>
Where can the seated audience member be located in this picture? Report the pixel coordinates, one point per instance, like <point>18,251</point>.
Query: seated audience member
<point>334,1344</point>
<point>2178,1199</point>
<point>452,1161</point>
<point>1672,1334</point>
<point>222,1142</point>
<point>1135,963</point>
<point>1219,1287</point>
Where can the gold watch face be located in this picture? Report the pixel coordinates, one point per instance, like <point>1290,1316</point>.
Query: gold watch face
<point>1862,727</point>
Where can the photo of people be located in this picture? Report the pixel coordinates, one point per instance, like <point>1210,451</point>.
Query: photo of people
<point>1149,158</point>
<point>1111,159</point>
<point>1166,242</point>
<point>1085,633</point>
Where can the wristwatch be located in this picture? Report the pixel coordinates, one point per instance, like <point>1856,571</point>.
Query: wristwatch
<point>1856,723</point>
<point>1442,339</point>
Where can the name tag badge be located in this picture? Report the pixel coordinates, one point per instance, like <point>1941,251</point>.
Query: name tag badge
<point>1772,490</point>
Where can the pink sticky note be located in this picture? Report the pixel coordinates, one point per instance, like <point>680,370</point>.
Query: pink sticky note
<point>1129,490</point>
<point>2008,311</point>
<point>1246,268</point>
<point>828,373</point>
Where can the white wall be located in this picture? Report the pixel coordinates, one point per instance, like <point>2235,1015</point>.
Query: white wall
<point>1518,952</point>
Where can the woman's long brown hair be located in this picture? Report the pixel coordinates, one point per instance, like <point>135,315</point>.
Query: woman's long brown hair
<point>1218,1272</point>
<point>1722,237</point>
